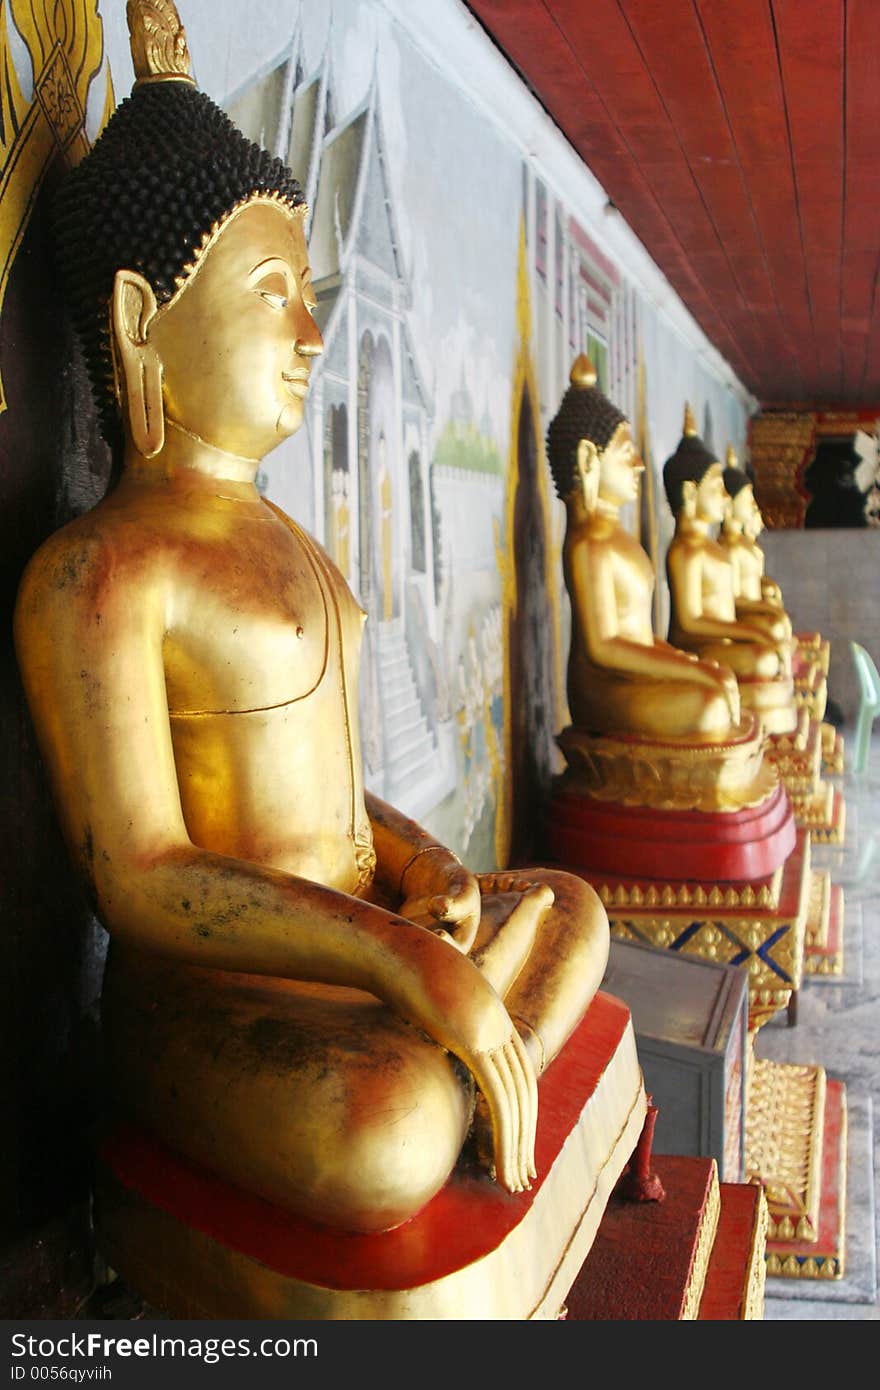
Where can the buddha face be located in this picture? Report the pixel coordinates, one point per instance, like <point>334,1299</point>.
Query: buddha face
<point>236,343</point>
<point>747,512</point>
<point>611,473</point>
<point>620,467</point>
<point>710,495</point>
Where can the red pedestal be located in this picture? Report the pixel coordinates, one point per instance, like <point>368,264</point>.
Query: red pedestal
<point>606,837</point>
<point>663,1261</point>
<point>726,1295</point>
<point>642,1260</point>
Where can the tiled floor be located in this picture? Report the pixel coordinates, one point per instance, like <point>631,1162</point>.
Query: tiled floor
<point>839,1026</point>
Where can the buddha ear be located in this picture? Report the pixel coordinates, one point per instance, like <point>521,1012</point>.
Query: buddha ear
<point>134,305</point>
<point>689,497</point>
<point>588,472</point>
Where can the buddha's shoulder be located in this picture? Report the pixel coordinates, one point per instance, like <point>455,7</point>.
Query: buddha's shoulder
<point>697,543</point>
<point>316,550</point>
<point>82,557</point>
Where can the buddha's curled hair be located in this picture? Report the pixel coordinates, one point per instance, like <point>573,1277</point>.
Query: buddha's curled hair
<point>690,463</point>
<point>585,412</point>
<point>168,168</point>
<point>735,479</point>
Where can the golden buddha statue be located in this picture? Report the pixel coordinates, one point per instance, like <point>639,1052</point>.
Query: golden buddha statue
<point>622,679</point>
<point>634,698</point>
<point>702,589</point>
<point>305,991</point>
<point>754,592</point>
<point>757,593</point>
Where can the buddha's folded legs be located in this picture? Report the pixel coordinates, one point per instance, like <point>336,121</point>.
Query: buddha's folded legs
<point>318,1098</point>
<point>755,659</point>
<point>651,709</point>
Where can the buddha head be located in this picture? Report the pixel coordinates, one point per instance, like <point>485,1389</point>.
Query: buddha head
<point>693,478</point>
<point>590,446</point>
<point>744,511</point>
<point>182,254</point>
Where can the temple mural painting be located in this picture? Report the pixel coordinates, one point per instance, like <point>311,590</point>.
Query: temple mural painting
<point>451,316</point>
<point>399,471</point>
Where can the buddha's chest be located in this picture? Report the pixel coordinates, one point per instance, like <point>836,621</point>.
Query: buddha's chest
<point>251,626</point>
<point>750,573</point>
<point>633,579</point>
<point>717,576</point>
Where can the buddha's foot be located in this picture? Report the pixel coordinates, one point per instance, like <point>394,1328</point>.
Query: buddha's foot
<point>512,909</point>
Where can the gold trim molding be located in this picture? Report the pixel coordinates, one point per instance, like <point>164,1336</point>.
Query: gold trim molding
<point>756,1270</point>
<point>784,1136</point>
<point>677,773</point>
<point>703,1252</point>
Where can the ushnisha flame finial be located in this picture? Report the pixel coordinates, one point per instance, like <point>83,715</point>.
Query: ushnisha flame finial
<point>158,42</point>
<point>731,458</point>
<point>690,425</point>
<point>583,373</point>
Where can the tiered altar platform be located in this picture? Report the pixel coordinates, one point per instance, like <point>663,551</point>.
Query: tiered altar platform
<point>752,902</point>
<point>799,758</point>
<point>796,1131</point>
<point>759,922</point>
<point>698,1254</point>
<point>823,948</point>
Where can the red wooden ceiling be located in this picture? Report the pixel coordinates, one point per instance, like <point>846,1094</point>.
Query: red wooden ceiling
<point>740,139</point>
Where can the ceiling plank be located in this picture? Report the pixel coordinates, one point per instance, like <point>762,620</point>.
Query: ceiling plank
<point>739,140</point>
<point>860,303</point>
<point>810,37</point>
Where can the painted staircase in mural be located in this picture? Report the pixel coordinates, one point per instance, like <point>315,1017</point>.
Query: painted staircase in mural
<point>413,775</point>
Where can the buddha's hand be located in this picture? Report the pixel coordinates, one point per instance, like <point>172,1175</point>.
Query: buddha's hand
<point>442,895</point>
<point>457,1007</point>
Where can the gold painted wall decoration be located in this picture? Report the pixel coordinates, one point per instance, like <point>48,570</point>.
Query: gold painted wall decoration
<point>524,427</point>
<point>50,55</point>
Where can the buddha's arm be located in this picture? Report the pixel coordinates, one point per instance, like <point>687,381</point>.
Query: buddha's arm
<point>433,884</point>
<point>90,650</point>
<point>771,591</point>
<point>686,584</point>
<point>591,585</point>
<point>770,616</point>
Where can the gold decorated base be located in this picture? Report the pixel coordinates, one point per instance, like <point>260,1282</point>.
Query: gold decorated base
<point>824,948</point>
<point>815,648</point>
<point>796,1148</point>
<point>823,953</point>
<point>811,693</point>
<point>785,1115</point>
<point>673,774</point>
<point>823,814</point>
<point>760,926</point>
<point>798,758</point>
<point>833,750</point>
<point>811,680</point>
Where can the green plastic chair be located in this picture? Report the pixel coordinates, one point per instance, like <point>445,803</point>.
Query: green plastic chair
<point>869,704</point>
